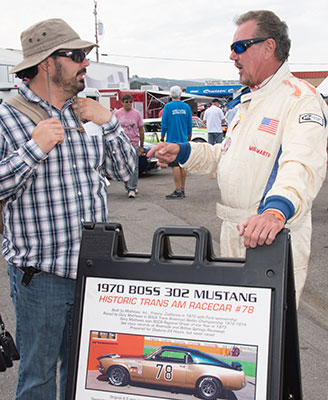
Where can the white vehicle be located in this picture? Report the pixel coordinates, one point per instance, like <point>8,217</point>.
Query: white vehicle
<point>8,82</point>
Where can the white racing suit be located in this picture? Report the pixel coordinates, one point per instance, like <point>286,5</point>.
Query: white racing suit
<point>275,146</point>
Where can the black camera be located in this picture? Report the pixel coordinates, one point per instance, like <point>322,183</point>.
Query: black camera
<point>8,350</point>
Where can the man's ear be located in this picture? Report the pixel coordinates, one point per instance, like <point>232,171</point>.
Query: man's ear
<point>47,63</point>
<point>269,48</point>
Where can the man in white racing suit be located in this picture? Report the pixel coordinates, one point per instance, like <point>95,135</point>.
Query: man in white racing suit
<point>272,162</point>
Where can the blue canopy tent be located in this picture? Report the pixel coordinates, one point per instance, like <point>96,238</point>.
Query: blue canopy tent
<point>213,91</point>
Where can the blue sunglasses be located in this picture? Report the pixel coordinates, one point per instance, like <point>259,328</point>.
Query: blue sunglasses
<point>242,45</point>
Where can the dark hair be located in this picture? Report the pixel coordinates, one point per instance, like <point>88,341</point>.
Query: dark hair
<point>127,96</point>
<point>269,25</point>
<point>28,73</point>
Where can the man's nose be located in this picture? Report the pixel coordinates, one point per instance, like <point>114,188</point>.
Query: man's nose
<point>233,55</point>
<point>85,63</point>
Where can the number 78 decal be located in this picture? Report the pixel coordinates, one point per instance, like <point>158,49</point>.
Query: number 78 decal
<point>168,371</point>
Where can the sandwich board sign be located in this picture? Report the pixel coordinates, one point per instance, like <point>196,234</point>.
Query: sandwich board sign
<point>170,326</point>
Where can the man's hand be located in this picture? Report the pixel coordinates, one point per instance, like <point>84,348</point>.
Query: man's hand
<point>91,110</point>
<point>260,229</point>
<point>165,153</point>
<point>48,133</point>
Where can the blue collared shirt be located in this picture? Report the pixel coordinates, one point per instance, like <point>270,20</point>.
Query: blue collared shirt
<point>51,195</point>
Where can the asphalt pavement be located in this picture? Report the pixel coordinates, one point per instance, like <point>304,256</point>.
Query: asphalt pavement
<point>140,218</point>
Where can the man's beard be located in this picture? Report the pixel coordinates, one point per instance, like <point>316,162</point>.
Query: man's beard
<point>71,86</point>
<point>246,80</point>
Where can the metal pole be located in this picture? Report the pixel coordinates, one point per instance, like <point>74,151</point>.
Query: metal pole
<point>96,30</point>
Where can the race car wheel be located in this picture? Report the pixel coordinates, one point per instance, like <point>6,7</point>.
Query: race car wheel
<point>209,388</point>
<point>118,376</point>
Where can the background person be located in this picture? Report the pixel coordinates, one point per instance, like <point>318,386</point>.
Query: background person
<point>132,123</point>
<point>272,162</point>
<point>177,127</point>
<point>206,106</point>
<point>53,177</point>
<point>230,115</point>
<point>213,118</point>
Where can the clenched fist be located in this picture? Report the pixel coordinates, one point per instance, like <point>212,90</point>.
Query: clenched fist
<point>91,110</point>
<point>48,133</point>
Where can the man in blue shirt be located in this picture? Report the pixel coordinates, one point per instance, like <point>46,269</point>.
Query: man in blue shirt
<point>177,126</point>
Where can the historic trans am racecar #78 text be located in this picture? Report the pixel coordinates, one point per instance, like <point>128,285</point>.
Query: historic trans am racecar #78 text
<point>178,367</point>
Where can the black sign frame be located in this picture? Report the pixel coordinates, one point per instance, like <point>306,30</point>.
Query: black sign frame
<point>103,253</point>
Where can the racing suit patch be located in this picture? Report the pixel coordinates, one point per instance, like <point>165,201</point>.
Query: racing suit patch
<point>269,125</point>
<point>310,118</point>
<point>226,145</point>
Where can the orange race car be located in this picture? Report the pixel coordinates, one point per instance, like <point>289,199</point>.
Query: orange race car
<point>175,366</point>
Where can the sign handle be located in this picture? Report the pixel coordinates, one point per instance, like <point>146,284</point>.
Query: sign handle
<point>162,249</point>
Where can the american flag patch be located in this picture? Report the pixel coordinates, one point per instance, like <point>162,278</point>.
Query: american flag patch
<point>269,125</point>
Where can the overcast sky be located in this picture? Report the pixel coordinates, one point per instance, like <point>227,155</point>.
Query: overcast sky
<point>150,36</point>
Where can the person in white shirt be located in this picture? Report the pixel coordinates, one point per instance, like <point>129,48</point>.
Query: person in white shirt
<point>214,117</point>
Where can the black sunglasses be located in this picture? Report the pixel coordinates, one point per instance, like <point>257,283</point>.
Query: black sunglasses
<point>242,45</point>
<point>77,56</point>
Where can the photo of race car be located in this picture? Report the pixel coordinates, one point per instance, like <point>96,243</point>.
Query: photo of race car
<point>175,366</point>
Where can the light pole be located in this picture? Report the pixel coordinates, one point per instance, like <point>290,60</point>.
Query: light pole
<point>96,30</point>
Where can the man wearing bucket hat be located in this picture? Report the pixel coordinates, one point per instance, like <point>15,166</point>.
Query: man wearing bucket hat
<point>52,175</point>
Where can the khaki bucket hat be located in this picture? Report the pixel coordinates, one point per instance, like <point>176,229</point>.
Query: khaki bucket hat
<point>44,38</point>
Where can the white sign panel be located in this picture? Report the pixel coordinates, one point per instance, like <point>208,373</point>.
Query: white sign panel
<point>173,341</point>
